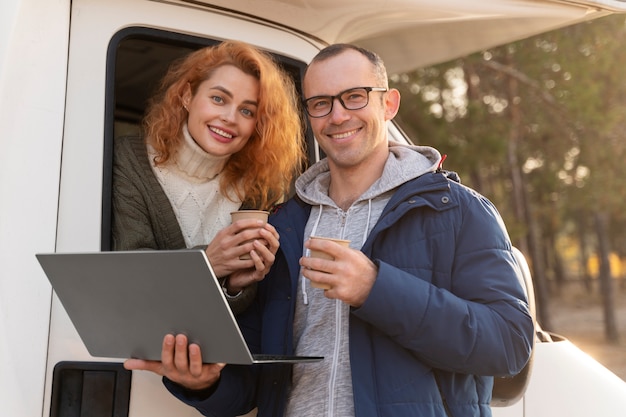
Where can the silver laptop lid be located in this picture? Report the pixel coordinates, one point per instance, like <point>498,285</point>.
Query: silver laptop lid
<point>123,303</point>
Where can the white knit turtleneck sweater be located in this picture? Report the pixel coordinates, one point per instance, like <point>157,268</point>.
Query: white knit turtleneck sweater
<point>191,182</point>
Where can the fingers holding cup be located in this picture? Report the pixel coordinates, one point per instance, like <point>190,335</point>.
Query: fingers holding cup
<point>328,255</point>
<point>259,215</point>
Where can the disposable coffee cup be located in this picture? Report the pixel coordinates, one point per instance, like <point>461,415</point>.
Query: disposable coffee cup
<point>324,255</point>
<point>249,214</point>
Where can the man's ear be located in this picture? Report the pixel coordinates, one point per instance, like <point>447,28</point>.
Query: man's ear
<point>392,103</point>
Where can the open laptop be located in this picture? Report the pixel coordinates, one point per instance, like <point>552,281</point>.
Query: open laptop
<point>123,304</point>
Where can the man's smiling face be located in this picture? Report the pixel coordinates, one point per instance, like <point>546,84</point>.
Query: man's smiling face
<point>350,138</point>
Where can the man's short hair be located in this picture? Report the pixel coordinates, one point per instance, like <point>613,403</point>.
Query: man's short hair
<point>333,50</point>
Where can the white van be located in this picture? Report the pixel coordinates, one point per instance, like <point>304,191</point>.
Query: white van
<point>74,74</point>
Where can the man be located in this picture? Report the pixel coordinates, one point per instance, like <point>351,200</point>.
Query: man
<point>422,308</point>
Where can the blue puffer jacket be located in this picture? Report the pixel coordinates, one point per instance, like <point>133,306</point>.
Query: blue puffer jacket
<point>446,312</point>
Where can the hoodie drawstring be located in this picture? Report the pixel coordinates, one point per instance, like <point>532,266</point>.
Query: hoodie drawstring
<point>305,296</point>
<point>367,225</point>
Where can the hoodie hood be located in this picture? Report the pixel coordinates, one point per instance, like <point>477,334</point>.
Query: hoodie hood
<point>404,163</point>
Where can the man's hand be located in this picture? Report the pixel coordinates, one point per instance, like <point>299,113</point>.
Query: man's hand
<point>182,363</point>
<point>350,276</point>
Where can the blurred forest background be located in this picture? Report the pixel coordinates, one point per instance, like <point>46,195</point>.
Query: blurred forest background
<point>539,127</point>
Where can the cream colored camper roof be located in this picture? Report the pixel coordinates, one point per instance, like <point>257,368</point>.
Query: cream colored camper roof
<point>413,33</point>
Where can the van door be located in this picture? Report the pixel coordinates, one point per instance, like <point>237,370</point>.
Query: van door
<point>117,52</point>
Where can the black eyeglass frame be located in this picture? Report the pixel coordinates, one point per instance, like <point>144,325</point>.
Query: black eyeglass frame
<point>338,97</point>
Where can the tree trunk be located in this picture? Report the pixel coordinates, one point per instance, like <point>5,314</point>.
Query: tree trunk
<point>606,284</point>
<point>584,251</point>
<point>554,262</point>
<point>530,246</point>
<point>539,276</point>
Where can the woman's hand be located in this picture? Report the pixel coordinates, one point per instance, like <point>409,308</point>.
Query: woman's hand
<point>243,237</point>
<point>263,255</point>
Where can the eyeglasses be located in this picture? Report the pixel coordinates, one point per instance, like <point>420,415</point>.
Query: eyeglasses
<point>351,99</point>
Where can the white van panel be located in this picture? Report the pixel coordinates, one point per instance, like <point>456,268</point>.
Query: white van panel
<point>565,381</point>
<point>568,382</point>
<point>33,39</point>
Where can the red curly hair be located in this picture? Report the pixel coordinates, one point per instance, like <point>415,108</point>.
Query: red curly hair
<point>261,173</point>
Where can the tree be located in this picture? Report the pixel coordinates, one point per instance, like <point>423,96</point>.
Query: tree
<point>536,126</point>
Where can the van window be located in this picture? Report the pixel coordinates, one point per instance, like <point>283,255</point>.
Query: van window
<point>137,59</point>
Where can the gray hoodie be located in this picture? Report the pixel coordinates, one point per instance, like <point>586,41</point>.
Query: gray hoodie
<point>321,325</point>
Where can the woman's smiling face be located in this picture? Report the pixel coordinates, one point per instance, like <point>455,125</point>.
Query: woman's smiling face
<point>223,112</point>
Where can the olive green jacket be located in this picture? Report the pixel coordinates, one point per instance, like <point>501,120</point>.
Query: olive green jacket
<point>142,216</point>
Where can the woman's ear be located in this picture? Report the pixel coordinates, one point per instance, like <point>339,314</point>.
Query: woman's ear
<point>392,103</point>
<point>186,98</point>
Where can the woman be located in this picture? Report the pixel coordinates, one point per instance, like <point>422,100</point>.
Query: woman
<point>223,133</point>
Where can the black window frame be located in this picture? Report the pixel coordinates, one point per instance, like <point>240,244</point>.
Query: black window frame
<point>119,52</point>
